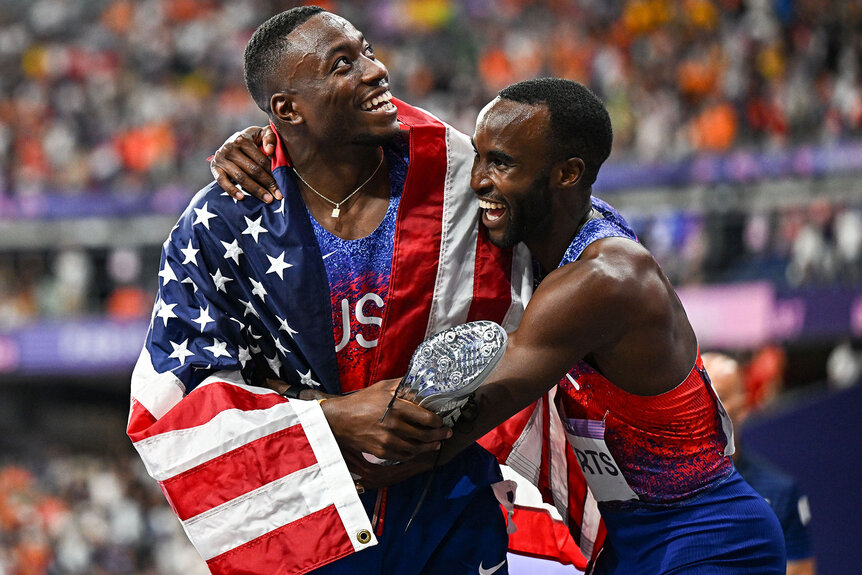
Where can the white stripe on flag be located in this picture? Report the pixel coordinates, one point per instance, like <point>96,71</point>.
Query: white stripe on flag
<point>589,524</point>
<point>453,289</point>
<point>335,478</point>
<point>522,286</point>
<point>559,472</point>
<point>157,392</point>
<point>526,454</point>
<point>173,452</point>
<point>257,512</point>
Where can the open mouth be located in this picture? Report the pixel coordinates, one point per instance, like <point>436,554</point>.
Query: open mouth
<point>493,210</point>
<point>381,102</point>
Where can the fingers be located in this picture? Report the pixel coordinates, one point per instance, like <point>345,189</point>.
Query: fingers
<point>268,140</point>
<point>239,166</point>
<point>416,416</point>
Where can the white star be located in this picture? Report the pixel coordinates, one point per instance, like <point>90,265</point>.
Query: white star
<point>232,251</point>
<point>253,335</point>
<point>284,327</point>
<point>254,349</point>
<point>258,289</point>
<point>167,274</point>
<point>204,318</point>
<point>203,216</point>
<point>181,351</point>
<point>280,209</point>
<point>274,363</point>
<point>218,349</point>
<point>166,311</point>
<point>189,281</point>
<point>190,253</point>
<point>277,265</point>
<point>241,325</point>
<point>306,379</point>
<point>249,309</point>
<point>279,347</point>
<point>219,280</point>
<point>254,228</point>
<point>243,356</point>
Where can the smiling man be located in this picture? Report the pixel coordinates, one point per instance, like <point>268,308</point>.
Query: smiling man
<point>374,245</point>
<point>644,427</point>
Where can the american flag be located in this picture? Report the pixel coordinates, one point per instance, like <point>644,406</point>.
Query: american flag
<point>242,284</point>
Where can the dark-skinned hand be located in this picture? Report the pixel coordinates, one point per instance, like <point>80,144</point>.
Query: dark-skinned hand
<point>243,161</point>
<point>407,431</point>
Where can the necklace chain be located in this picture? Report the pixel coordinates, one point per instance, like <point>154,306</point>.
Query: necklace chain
<point>336,211</point>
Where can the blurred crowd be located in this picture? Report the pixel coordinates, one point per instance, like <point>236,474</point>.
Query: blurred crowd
<point>799,246</point>
<point>87,515</point>
<point>129,97</point>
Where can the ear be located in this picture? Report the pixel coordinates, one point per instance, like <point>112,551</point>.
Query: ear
<point>567,173</point>
<point>284,109</point>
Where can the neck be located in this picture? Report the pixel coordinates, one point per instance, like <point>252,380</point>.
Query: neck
<point>336,173</point>
<point>565,224</point>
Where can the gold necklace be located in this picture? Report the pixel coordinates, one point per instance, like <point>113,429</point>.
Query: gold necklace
<point>336,211</point>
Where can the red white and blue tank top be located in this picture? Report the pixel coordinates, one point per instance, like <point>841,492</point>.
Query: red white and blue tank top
<point>358,272</point>
<point>631,448</point>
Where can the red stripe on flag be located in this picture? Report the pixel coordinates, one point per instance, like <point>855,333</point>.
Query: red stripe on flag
<point>239,471</point>
<point>289,550</point>
<point>500,440</point>
<point>492,294</point>
<point>540,535</point>
<point>416,252</point>
<point>204,403</point>
<point>139,418</point>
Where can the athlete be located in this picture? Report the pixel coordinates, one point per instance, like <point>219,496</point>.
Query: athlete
<point>373,245</point>
<point>778,488</point>
<point>604,328</point>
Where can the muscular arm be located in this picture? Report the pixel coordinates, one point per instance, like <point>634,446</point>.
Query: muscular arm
<point>613,306</point>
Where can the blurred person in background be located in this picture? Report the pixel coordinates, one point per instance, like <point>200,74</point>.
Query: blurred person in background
<point>778,488</point>
<point>319,294</point>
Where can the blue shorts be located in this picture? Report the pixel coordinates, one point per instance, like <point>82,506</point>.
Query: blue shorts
<point>727,530</point>
<point>459,528</point>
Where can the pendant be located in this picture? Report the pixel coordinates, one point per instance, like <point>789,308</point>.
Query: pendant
<point>335,211</point>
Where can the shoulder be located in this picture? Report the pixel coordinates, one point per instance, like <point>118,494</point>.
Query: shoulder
<point>613,269</point>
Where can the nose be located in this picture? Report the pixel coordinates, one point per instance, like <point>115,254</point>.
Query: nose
<point>373,70</point>
<point>478,177</point>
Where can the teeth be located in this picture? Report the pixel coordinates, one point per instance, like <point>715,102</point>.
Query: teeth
<point>383,98</point>
<point>486,205</point>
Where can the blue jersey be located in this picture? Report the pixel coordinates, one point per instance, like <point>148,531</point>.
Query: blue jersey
<point>782,494</point>
<point>358,272</point>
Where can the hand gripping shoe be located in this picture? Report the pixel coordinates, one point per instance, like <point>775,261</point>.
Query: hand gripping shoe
<point>447,368</point>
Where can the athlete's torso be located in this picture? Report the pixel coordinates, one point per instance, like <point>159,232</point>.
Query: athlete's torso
<point>358,272</point>
<point>651,449</point>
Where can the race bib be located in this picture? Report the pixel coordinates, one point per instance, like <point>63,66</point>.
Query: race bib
<point>606,481</point>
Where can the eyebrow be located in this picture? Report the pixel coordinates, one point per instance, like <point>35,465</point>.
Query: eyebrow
<point>342,46</point>
<point>494,153</point>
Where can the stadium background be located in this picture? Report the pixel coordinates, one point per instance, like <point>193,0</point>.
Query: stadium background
<point>738,158</point>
